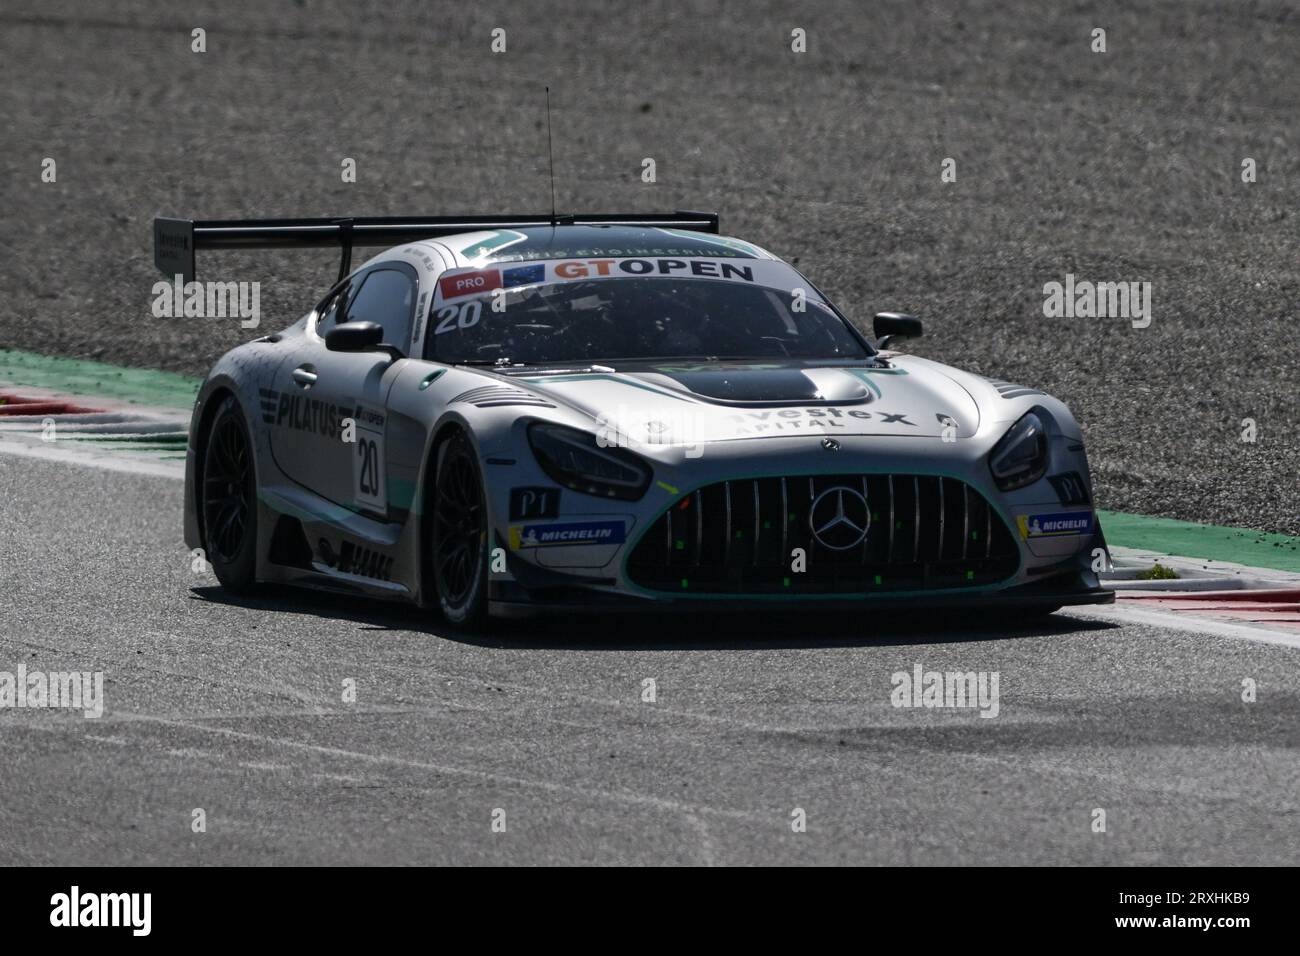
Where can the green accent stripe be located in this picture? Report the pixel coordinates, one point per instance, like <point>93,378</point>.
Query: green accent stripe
<point>601,377</point>
<point>81,377</point>
<point>860,376</point>
<point>1258,549</point>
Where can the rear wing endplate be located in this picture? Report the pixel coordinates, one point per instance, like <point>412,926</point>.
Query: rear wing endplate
<point>176,240</point>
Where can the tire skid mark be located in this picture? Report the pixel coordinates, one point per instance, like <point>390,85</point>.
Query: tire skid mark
<point>627,797</point>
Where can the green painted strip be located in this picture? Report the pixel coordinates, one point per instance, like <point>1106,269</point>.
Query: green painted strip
<point>1258,549</point>
<point>82,377</point>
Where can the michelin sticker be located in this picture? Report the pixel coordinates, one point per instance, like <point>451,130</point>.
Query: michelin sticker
<point>571,533</point>
<point>1054,525</point>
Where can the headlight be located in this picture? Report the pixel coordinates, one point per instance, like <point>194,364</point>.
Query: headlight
<point>1020,458</point>
<point>574,459</point>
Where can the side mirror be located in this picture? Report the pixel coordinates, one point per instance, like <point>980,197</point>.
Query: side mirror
<point>354,336</point>
<point>895,325</point>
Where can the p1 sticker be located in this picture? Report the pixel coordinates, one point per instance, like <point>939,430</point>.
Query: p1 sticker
<point>1069,488</point>
<point>571,532</point>
<point>528,504</point>
<point>1054,525</point>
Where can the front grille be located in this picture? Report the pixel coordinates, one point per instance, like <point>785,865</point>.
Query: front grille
<point>738,537</point>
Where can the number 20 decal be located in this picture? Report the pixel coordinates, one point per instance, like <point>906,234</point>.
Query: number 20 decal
<point>453,317</point>
<point>368,478</point>
<point>368,463</point>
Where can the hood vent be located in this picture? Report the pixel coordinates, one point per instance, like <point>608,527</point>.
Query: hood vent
<point>760,387</point>
<point>1008,390</point>
<point>495,396</point>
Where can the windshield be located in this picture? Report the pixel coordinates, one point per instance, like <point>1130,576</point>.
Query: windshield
<point>637,318</point>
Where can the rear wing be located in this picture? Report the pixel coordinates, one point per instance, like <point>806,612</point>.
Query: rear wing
<point>176,240</point>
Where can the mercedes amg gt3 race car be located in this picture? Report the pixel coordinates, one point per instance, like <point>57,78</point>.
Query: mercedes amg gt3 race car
<point>591,412</point>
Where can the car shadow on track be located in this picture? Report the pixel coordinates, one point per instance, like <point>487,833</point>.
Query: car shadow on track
<point>628,630</point>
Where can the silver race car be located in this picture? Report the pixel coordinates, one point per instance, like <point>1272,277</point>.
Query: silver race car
<point>593,412</point>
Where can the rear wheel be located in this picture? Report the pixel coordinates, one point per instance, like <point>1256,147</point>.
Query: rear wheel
<point>229,499</point>
<point>459,533</point>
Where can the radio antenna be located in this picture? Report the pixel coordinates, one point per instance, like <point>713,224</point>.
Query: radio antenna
<point>550,153</point>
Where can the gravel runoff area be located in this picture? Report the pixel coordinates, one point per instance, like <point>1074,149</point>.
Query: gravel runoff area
<point>1122,166</point>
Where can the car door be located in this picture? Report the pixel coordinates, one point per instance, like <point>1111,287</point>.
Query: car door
<point>303,431</point>
<point>340,397</point>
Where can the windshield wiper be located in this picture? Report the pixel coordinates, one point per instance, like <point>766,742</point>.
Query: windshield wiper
<point>568,368</point>
<point>491,363</point>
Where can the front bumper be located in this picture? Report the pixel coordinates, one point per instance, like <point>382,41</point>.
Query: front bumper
<point>511,600</point>
<point>774,475</point>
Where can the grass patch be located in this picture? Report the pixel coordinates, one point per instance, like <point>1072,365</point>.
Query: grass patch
<point>1157,572</point>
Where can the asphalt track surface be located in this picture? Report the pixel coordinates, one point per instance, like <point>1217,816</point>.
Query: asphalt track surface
<point>1116,167</point>
<point>236,707</point>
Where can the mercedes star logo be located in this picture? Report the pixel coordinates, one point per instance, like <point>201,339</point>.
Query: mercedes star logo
<point>839,518</point>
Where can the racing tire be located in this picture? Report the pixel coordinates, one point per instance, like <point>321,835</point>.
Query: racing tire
<point>459,534</point>
<point>228,499</point>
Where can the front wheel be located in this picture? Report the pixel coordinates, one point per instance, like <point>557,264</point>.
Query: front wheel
<point>459,533</point>
<point>229,499</point>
